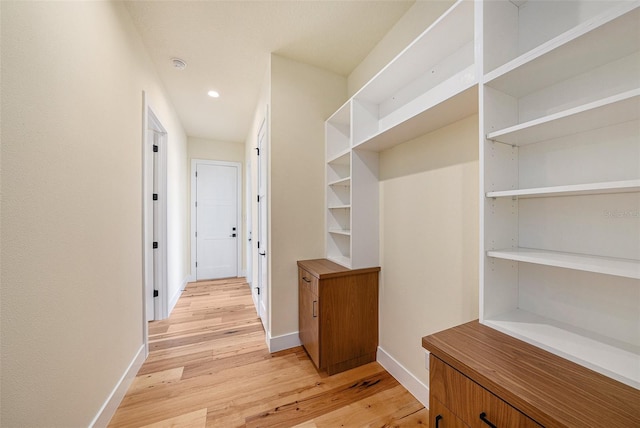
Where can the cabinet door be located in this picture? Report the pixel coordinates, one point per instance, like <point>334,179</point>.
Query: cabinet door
<point>308,315</point>
<point>457,392</point>
<point>441,417</point>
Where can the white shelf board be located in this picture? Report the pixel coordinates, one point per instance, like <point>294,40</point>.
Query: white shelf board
<point>452,30</point>
<point>626,186</point>
<point>346,182</point>
<point>435,114</point>
<point>341,158</point>
<point>597,41</point>
<point>627,268</point>
<point>618,360</point>
<point>339,207</point>
<point>609,111</point>
<point>340,232</point>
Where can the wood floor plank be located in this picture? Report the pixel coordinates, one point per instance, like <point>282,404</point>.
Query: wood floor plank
<point>299,411</point>
<point>155,378</point>
<point>209,365</point>
<point>390,408</point>
<point>197,419</point>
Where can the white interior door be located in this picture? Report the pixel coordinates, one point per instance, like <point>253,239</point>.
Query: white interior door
<point>149,184</point>
<point>217,223</point>
<point>261,289</point>
<point>154,219</point>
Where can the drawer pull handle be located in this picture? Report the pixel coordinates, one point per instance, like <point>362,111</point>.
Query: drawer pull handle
<point>315,313</point>
<point>438,419</point>
<point>304,278</point>
<point>483,418</point>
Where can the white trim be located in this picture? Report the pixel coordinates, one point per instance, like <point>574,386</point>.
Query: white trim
<point>239,223</point>
<point>414,385</point>
<point>187,279</point>
<point>174,299</point>
<point>145,323</point>
<point>110,406</point>
<point>282,342</point>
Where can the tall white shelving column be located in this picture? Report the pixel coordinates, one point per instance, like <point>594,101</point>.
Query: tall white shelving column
<point>560,137</point>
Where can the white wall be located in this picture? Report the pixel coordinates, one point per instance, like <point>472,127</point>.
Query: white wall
<point>302,98</point>
<point>71,287</point>
<point>429,239</point>
<point>229,151</point>
<point>178,214</point>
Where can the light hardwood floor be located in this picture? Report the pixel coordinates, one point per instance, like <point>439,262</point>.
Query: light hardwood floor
<point>209,366</point>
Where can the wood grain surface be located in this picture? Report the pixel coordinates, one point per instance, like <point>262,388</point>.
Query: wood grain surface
<point>209,366</point>
<point>553,391</point>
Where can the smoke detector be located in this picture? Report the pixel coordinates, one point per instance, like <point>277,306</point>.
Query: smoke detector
<point>178,63</point>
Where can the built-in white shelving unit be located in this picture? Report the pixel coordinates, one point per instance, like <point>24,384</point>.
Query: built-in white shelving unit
<point>557,88</point>
<point>560,161</point>
<point>433,82</point>
<point>430,84</point>
<point>338,197</point>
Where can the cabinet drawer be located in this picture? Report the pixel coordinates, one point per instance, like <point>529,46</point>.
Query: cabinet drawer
<point>305,278</point>
<point>470,402</point>
<point>441,417</point>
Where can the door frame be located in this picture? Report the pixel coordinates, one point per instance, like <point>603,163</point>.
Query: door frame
<point>248,271</point>
<point>238,166</point>
<point>151,124</point>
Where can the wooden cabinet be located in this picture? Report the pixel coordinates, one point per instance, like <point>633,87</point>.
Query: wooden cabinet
<point>480,377</point>
<point>338,314</point>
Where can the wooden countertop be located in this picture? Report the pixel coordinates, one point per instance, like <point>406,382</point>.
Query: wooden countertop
<point>323,268</point>
<point>551,390</point>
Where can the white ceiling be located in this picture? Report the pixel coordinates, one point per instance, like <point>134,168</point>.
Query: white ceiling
<point>226,45</point>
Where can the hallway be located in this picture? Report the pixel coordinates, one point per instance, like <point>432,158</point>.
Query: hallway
<point>208,365</point>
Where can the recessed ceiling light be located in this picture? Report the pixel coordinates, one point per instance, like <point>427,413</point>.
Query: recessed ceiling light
<point>213,94</point>
<point>178,63</point>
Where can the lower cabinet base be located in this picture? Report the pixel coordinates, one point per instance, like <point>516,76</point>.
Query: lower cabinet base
<point>349,364</point>
<point>480,377</point>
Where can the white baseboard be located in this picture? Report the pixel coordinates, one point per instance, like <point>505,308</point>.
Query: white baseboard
<point>414,385</point>
<point>110,406</point>
<point>176,296</point>
<point>285,341</point>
